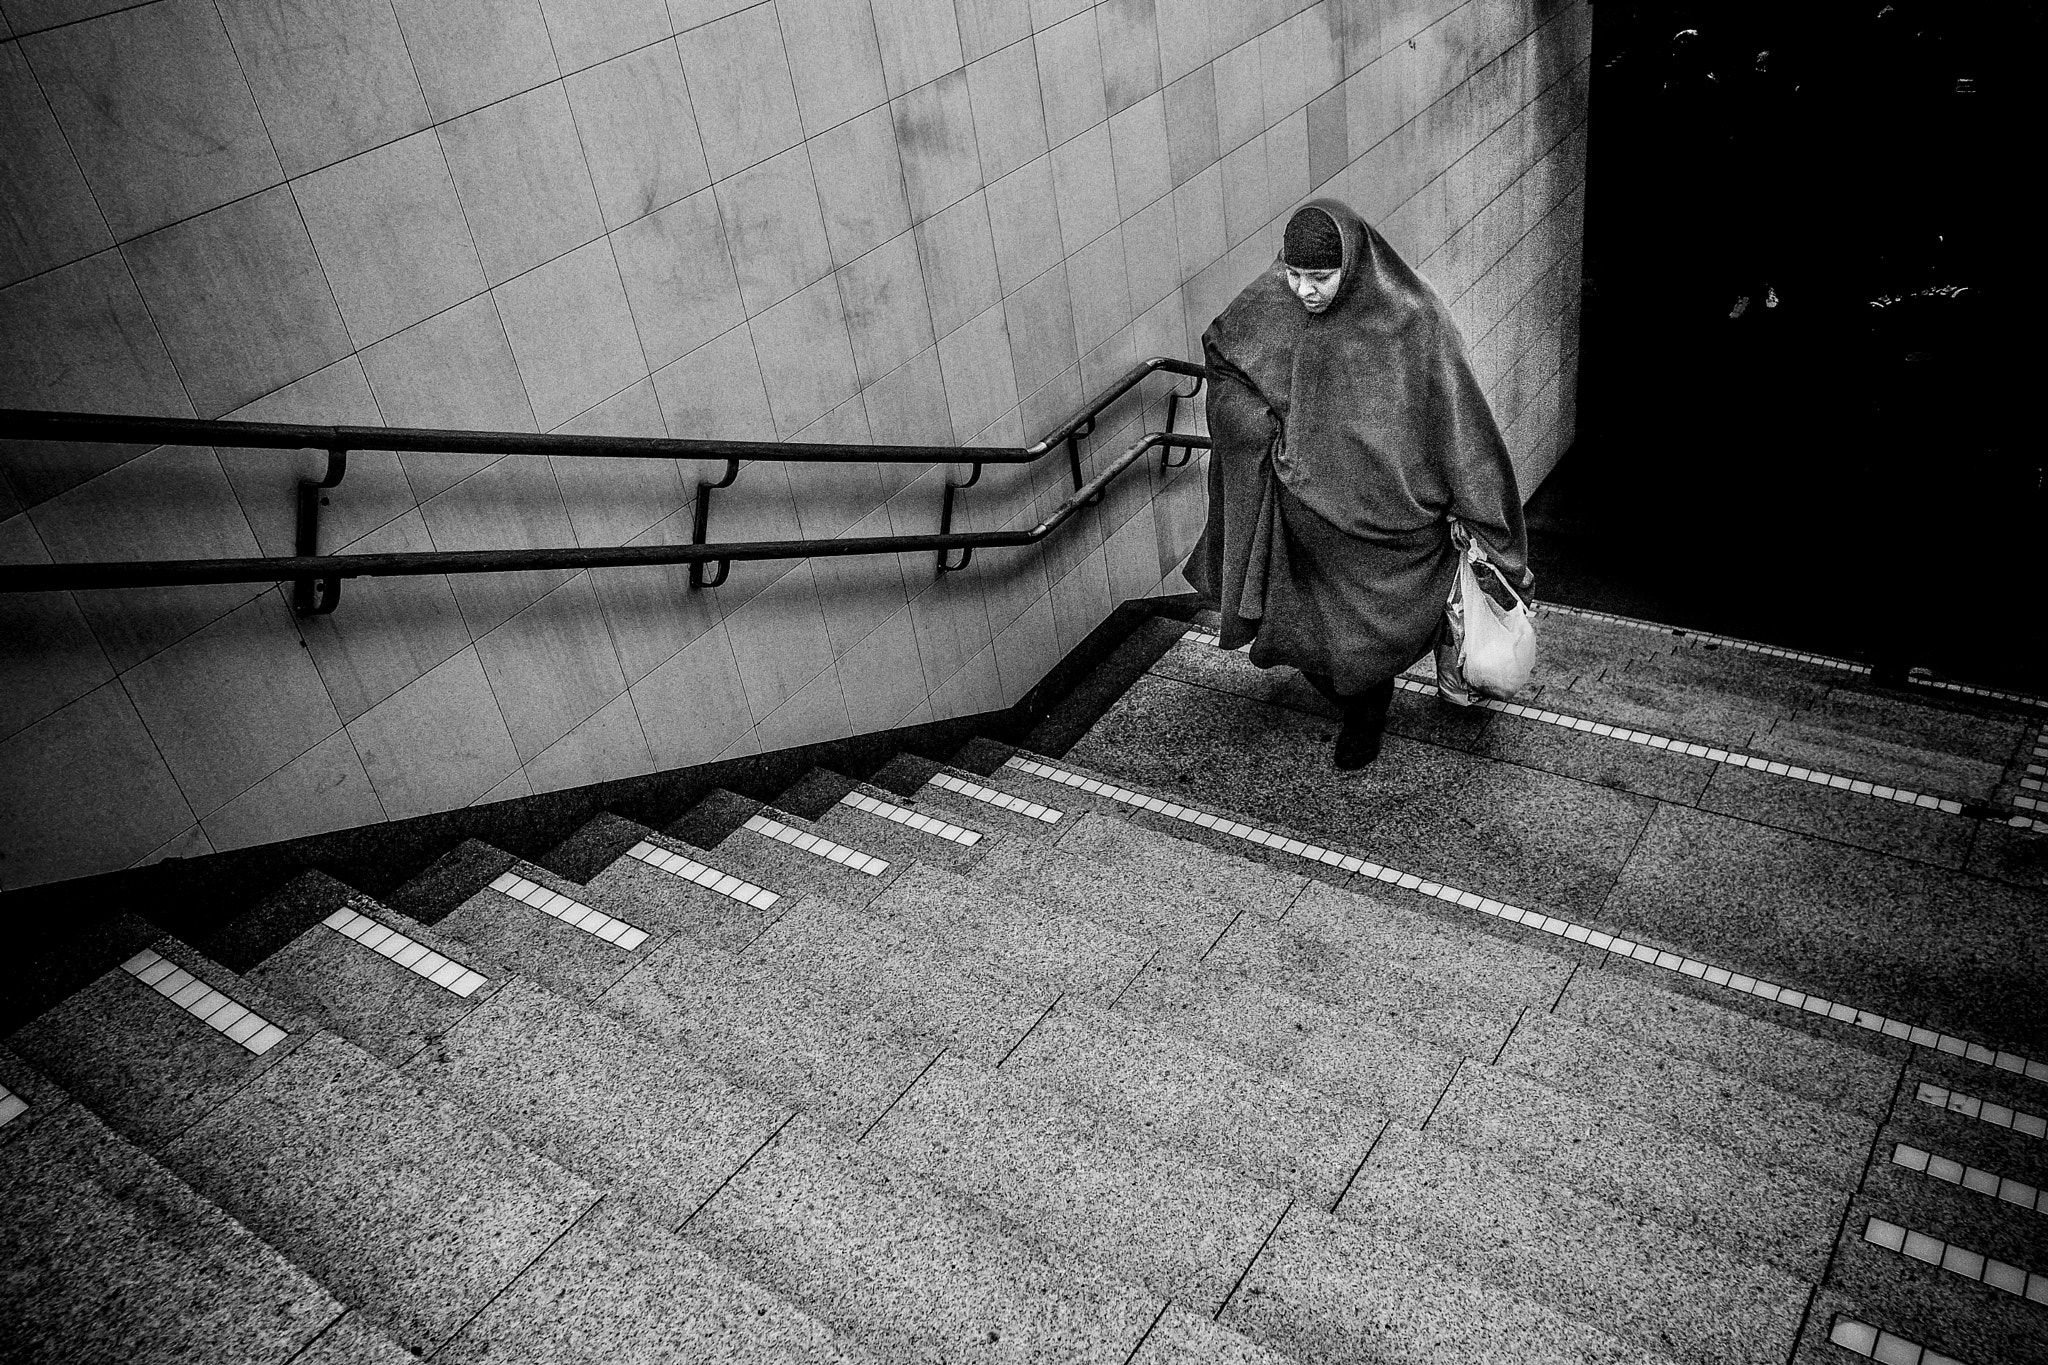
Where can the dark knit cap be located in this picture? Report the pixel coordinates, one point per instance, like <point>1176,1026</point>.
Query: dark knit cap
<point>1312,242</point>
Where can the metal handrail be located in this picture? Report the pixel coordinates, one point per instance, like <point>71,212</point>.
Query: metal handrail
<point>318,589</point>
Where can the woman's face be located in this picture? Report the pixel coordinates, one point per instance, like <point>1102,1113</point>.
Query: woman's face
<point>1315,288</point>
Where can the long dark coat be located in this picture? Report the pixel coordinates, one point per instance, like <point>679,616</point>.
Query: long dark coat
<point>1344,441</point>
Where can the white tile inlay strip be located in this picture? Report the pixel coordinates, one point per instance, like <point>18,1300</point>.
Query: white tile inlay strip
<point>414,956</point>
<point>710,878</point>
<point>1577,933</point>
<point>1866,1340</point>
<point>1975,1178</point>
<point>575,914</point>
<point>1000,800</point>
<point>1854,785</point>
<point>1704,637</point>
<point>12,1106</point>
<point>926,824</point>
<point>204,1003</point>
<point>1989,1111</point>
<point>811,843</point>
<point>1927,679</point>
<point>1957,1260</point>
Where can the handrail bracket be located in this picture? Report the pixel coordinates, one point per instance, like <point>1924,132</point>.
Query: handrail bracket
<point>1174,399</point>
<point>311,596</point>
<point>701,526</point>
<point>946,520</point>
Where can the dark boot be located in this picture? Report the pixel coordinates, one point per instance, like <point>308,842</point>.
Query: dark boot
<point>1365,723</point>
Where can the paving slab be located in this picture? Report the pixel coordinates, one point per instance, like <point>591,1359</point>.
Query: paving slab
<point>1010,933</point>
<point>1179,867</point>
<point>843,1068</point>
<point>884,1257</point>
<point>1512,833</point>
<point>1180,1337</point>
<point>143,1064</point>
<point>792,870</point>
<point>2008,854</point>
<point>1943,1109</point>
<point>1196,1101</point>
<point>1080,1180</point>
<point>1857,1074</point>
<point>1757,1213</point>
<point>542,948</point>
<point>618,1291</point>
<point>1968,1215</point>
<point>1640,697</point>
<point>1597,759</point>
<point>1878,824</point>
<point>351,1340</point>
<point>1925,1303</point>
<point>391,1196</point>
<point>1942,949</point>
<point>900,843</point>
<point>1320,1047</point>
<point>1082,886</point>
<point>1662,1288</point>
<point>665,901</point>
<point>858,961</point>
<point>1367,928</point>
<point>1897,742</point>
<point>1327,1289</point>
<point>106,1256</point>
<point>584,1091</point>
<point>1741,1116</point>
<point>389,1011</point>
<point>1284,958</point>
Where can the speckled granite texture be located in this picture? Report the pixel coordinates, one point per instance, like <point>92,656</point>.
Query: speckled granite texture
<point>663,901</point>
<point>107,1256</point>
<point>1081,1181</point>
<point>565,960</point>
<point>353,1341</point>
<point>397,1199</point>
<point>884,1257</point>
<point>902,845</point>
<point>1079,884</point>
<point>767,861</point>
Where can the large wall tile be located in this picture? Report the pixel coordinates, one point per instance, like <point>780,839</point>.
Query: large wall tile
<point>1240,102</point>
<point>716,392</point>
<point>1026,651</point>
<point>551,666</point>
<point>860,184</point>
<point>834,60</point>
<point>586,32</point>
<point>775,228</point>
<point>571,333</point>
<point>391,236</point>
<point>1009,112</point>
<point>321,790</point>
<point>231,704</point>
<point>1129,33</point>
<point>50,217</point>
<point>778,639</point>
<point>610,501</point>
<point>806,358</point>
<point>1100,289</point>
<point>813,716</point>
<point>374,491</point>
<point>760,506</point>
<point>1191,130</point>
<point>692,708</point>
<point>389,631</point>
<point>1084,185</point>
<point>920,41</point>
<point>958,256</point>
<point>80,339</point>
<point>513,505</point>
<point>173,503</point>
<point>453,370</point>
<point>1152,254</point>
<point>740,86</point>
<point>679,277</point>
<point>860,592</point>
<point>332,79</point>
<point>437,744</point>
<point>470,53</point>
<point>907,406</point>
<point>886,310</point>
<point>48,656</point>
<point>990,25</point>
<point>524,185</point>
<point>1041,320</point>
<point>90,767</point>
<point>1023,217</point>
<point>604,748</point>
<point>1144,163</point>
<point>1245,192</point>
<point>653,612</point>
<point>935,138</point>
<point>981,381</point>
<point>1070,77</point>
<point>1184,36</point>
<point>241,299</point>
<point>639,132</point>
<point>154,104</point>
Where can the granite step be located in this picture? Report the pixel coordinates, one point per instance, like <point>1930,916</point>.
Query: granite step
<point>1929,1304</point>
<point>901,831</point>
<point>774,847</point>
<point>877,1255</point>
<point>108,1256</point>
<point>1636,1278</point>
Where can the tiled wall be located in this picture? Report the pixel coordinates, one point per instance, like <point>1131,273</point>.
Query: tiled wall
<point>927,221</point>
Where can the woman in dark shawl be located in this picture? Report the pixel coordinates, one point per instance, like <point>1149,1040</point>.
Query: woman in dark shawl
<point>1348,431</point>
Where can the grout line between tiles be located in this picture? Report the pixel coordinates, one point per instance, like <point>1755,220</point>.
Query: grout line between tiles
<point>1164,1304</point>
<point>1452,1080</point>
<point>891,1105</point>
<point>734,1174</point>
<point>1030,1029</point>
<point>1848,1203</point>
<point>1125,988</point>
<point>1569,977</point>
<point>506,1287</point>
<point>1263,1243</point>
<point>1225,931</point>
<point>1359,1169</point>
<point>1663,959</point>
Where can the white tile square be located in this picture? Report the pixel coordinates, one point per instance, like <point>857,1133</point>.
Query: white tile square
<point>245,1028</point>
<point>264,1039</point>
<point>448,974</point>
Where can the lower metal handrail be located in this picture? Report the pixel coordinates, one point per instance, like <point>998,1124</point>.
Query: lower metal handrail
<point>329,570</point>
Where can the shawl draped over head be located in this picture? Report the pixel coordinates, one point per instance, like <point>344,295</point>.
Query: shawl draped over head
<point>1344,441</point>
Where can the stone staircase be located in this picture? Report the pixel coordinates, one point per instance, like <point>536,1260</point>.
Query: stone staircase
<point>1545,1039</point>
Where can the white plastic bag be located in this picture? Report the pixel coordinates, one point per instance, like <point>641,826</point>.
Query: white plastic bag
<point>1485,648</point>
